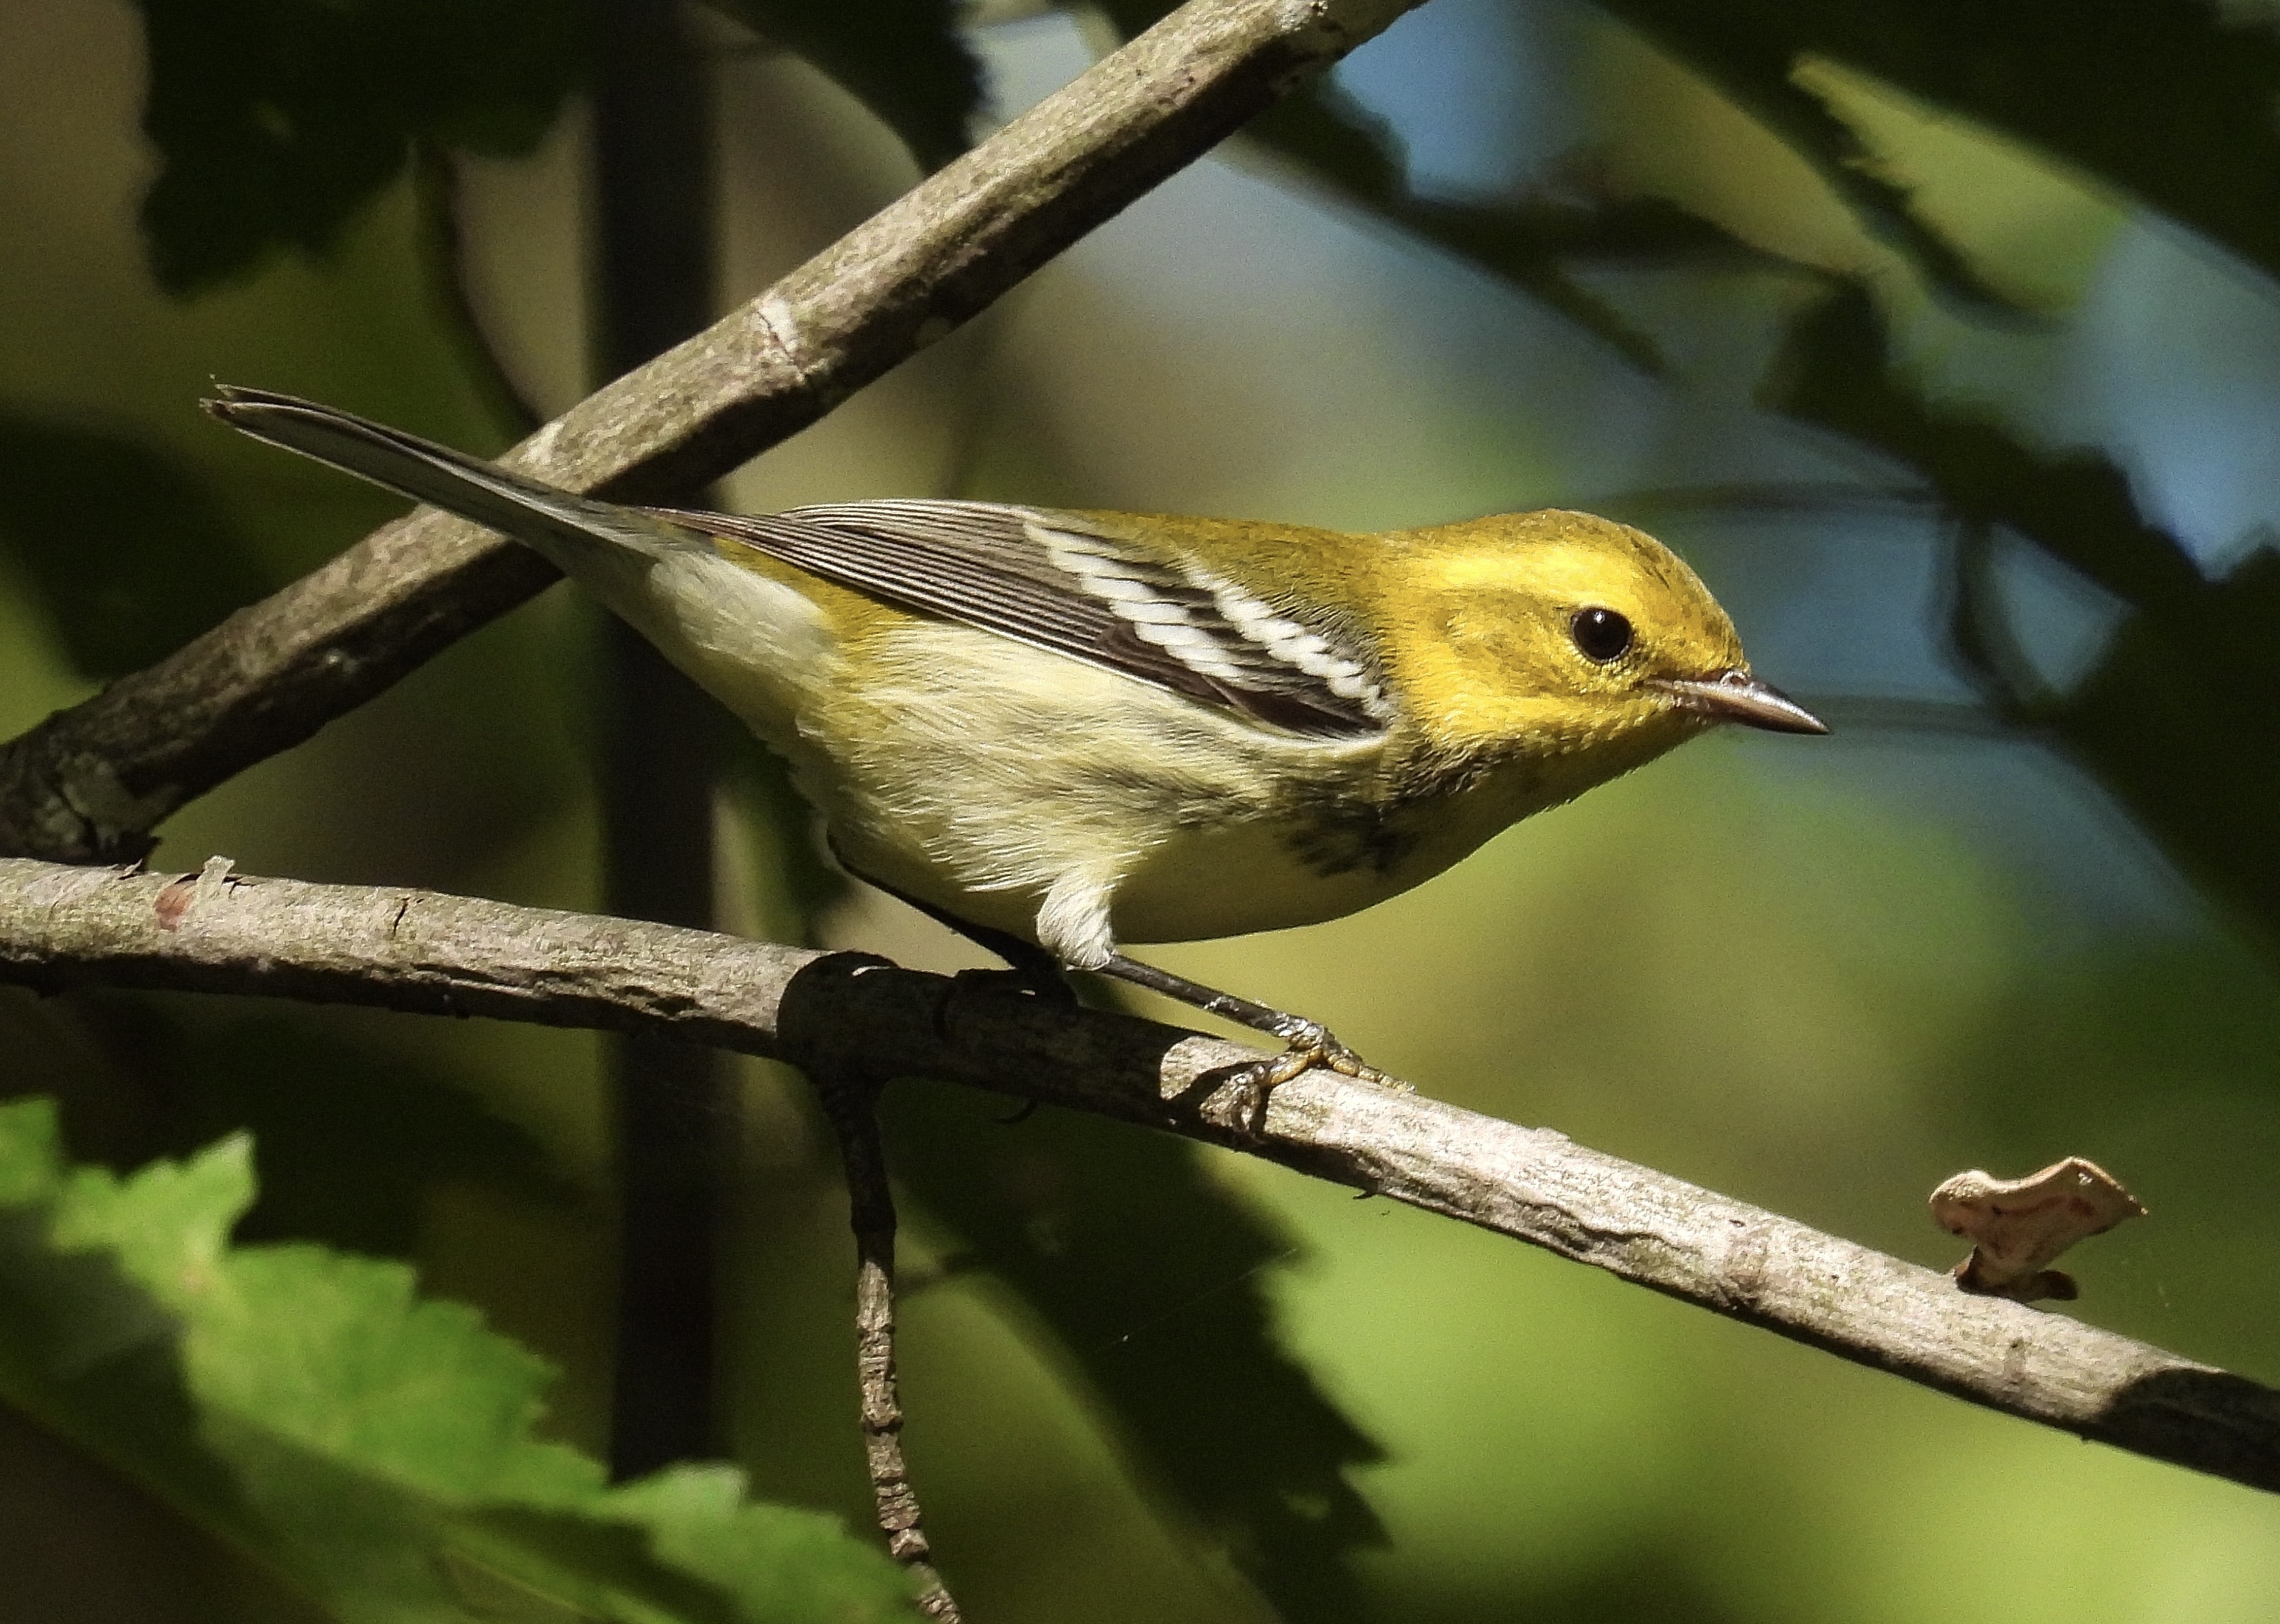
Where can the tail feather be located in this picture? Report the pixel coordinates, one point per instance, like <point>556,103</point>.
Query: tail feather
<point>563,525</point>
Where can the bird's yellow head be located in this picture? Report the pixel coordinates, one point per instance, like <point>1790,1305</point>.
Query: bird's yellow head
<point>1555,634</point>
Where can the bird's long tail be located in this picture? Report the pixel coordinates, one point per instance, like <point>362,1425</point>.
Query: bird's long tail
<point>560,525</point>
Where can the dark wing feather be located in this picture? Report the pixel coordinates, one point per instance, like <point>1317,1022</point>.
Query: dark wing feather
<point>1047,579</point>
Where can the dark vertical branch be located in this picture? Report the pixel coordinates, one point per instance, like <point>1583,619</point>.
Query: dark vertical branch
<point>653,218</point>
<point>435,186</point>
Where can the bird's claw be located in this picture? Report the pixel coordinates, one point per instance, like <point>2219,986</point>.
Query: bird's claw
<point>1312,1046</point>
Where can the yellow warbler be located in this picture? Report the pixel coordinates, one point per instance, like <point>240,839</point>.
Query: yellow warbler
<point>1066,731</point>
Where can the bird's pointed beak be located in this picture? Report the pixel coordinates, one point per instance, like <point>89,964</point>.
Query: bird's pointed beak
<point>1738,696</point>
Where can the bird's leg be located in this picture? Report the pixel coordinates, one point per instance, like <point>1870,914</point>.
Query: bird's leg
<point>1032,969</point>
<point>1311,1042</point>
<point>1036,971</point>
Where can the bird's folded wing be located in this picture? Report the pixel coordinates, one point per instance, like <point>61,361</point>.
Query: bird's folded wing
<point>1046,579</point>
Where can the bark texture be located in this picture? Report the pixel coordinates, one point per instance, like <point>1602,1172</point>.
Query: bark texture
<point>849,1015</point>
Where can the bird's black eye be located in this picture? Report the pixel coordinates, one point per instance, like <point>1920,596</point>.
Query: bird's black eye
<point>1602,634</point>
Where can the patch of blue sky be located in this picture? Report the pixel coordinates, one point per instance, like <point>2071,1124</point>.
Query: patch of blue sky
<point>2179,347</point>
<point>1478,91</point>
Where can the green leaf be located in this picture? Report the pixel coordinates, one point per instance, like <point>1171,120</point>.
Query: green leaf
<point>377,1449</point>
<point>130,552</point>
<point>2164,99</point>
<point>781,1563</point>
<point>276,119</point>
<point>903,59</point>
<point>31,1152</point>
<point>169,1225</point>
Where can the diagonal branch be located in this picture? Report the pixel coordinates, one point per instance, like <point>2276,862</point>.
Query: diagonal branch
<point>89,783</point>
<point>421,951</point>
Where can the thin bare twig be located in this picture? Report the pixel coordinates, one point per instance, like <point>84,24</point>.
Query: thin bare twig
<point>849,1098</point>
<point>89,783</point>
<point>418,951</point>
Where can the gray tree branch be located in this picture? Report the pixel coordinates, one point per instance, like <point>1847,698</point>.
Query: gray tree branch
<point>89,783</point>
<point>848,1101</point>
<point>847,1015</point>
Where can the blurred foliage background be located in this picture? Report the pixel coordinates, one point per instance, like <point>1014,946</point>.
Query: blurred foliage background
<point>1942,338</point>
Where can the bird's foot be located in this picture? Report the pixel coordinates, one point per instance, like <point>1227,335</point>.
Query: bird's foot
<point>1312,1046</point>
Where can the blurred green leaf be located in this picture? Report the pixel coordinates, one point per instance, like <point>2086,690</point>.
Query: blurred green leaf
<point>309,1406</point>
<point>31,1156</point>
<point>903,59</point>
<point>1153,1278</point>
<point>2180,718</point>
<point>1530,242</point>
<point>276,119</point>
<point>2165,99</point>
<point>1834,371</point>
<point>130,552</point>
